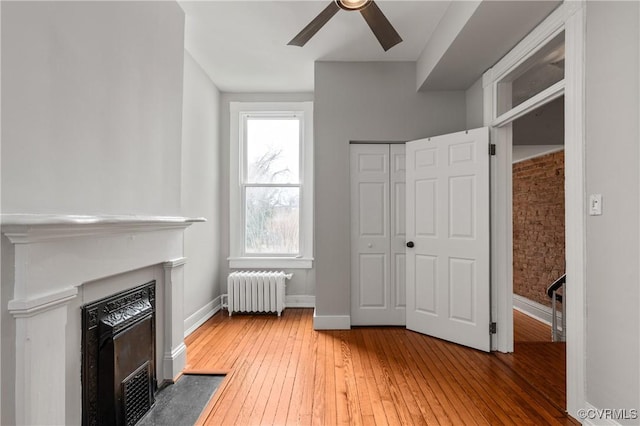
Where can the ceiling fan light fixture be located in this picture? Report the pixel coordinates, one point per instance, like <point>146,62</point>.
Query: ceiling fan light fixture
<point>352,4</point>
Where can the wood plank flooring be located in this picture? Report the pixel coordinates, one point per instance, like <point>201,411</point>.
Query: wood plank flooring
<point>527,329</point>
<point>280,371</point>
<point>536,359</point>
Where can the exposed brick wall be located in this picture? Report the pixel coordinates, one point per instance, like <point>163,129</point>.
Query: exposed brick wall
<point>538,225</point>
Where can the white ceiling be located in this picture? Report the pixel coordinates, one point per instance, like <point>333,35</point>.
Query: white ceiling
<point>242,45</point>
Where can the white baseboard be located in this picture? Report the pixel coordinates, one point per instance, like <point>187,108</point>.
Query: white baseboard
<point>534,309</point>
<point>201,316</point>
<point>331,322</point>
<point>300,301</point>
<point>593,416</point>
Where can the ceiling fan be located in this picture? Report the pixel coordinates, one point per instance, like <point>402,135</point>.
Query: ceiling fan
<point>379,24</point>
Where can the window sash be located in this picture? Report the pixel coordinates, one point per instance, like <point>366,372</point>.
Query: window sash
<point>301,212</point>
<point>246,183</point>
<point>292,115</point>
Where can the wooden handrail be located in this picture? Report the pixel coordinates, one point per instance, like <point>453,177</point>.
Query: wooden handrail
<point>555,286</point>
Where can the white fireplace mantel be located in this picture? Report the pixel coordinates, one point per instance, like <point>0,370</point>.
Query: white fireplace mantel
<point>51,257</point>
<point>32,228</point>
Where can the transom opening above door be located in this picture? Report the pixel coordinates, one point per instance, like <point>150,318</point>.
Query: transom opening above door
<point>536,80</point>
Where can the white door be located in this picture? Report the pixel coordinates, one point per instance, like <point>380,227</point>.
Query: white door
<point>398,216</point>
<point>377,234</point>
<point>447,181</point>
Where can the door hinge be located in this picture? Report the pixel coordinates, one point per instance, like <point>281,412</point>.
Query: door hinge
<point>493,328</point>
<point>492,149</point>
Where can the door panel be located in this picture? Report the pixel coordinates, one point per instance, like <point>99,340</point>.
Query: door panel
<point>398,231</point>
<point>400,277</point>
<point>447,272</point>
<point>373,273</point>
<point>462,207</point>
<point>462,289</point>
<point>425,197</point>
<point>371,214</point>
<point>426,294</point>
<point>377,235</point>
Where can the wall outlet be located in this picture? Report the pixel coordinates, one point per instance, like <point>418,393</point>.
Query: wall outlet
<point>595,204</point>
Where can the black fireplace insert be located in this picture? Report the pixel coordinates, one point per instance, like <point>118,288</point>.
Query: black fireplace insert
<point>118,357</point>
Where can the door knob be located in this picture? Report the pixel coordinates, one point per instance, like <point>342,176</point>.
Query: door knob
<point>410,244</point>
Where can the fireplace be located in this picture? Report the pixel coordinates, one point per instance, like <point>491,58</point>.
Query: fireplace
<point>52,267</point>
<point>118,357</point>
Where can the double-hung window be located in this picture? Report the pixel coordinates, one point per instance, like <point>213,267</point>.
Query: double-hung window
<point>271,193</point>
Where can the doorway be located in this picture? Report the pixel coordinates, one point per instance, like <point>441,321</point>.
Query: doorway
<point>538,178</point>
<point>568,18</point>
<point>538,207</point>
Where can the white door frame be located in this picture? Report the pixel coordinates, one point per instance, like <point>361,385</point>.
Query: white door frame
<point>570,18</point>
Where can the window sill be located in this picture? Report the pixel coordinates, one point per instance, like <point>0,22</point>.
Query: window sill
<point>271,262</point>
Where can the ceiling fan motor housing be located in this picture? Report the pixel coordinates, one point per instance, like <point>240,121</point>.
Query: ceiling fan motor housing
<point>353,4</point>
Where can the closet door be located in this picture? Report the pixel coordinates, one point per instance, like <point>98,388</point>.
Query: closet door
<point>397,188</point>
<point>376,225</point>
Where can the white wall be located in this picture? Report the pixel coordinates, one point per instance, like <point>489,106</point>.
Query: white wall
<point>91,107</point>
<point>542,126</point>
<point>613,246</point>
<point>303,281</point>
<point>201,180</point>
<point>452,23</point>
<point>527,152</point>
<point>474,97</point>
<point>367,102</point>
<point>1,315</point>
<point>539,132</point>
<point>91,117</point>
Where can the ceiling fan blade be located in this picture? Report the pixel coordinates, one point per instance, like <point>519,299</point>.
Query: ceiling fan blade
<point>380,25</point>
<point>318,22</point>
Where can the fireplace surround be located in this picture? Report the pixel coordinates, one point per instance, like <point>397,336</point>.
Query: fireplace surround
<point>52,265</point>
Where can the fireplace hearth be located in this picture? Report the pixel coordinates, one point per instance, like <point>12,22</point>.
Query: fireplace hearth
<point>118,357</point>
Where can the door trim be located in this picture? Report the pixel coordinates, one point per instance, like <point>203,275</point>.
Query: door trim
<point>570,16</point>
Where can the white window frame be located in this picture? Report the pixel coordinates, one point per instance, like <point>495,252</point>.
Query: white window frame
<point>237,257</point>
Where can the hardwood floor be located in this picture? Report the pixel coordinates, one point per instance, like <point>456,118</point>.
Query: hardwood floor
<point>538,360</point>
<point>281,371</point>
<point>527,329</point>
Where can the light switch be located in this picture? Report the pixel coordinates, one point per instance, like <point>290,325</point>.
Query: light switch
<point>595,204</point>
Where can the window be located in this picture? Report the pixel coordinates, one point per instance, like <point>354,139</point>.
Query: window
<point>271,193</point>
<point>536,79</point>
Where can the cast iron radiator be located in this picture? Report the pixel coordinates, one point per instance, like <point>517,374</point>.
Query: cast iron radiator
<point>256,291</point>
